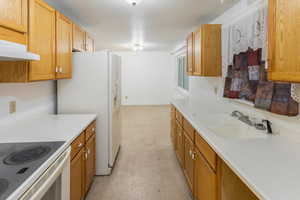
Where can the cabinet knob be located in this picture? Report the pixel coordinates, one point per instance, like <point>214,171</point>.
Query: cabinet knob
<point>80,145</point>
<point>193,156</point>
<point>86,156</point>
<point>88,151</point>
<point>60,70</point>
<point>56,69</point>
<point>93,129</point>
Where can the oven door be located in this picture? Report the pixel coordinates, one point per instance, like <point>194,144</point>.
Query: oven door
<point>54,183</point>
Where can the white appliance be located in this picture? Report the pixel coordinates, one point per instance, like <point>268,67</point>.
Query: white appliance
<point>10,51</point>
<point>54,183</point>
<point>96,88</point>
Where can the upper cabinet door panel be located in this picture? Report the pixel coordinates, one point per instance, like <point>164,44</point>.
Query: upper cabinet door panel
<point>42,40</point>
<point>78,38</point>
<point>13,14</point>
<point>63,47</point>
<point>190,54</point>
<point>284,40</point>
<point>198,53</point>
<point>89,43</point>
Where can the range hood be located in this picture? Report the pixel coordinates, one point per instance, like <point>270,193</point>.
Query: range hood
<point>10,51</point>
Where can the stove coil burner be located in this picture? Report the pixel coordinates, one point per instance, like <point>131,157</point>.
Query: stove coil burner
<point>3,185</point>
<point>26,155</point>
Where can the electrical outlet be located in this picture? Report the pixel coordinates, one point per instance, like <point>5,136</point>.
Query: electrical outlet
<point>12,107</point>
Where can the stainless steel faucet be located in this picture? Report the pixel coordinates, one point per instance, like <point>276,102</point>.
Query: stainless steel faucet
<point>264,125</point>
<point>242,117</point>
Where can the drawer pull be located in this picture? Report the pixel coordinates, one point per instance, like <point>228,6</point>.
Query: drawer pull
<point>193,156</point>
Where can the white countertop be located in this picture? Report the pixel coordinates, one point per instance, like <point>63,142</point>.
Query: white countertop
<point>270,166</point>
<point>43,128</point>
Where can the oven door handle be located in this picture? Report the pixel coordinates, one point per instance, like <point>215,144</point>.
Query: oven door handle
<point>45,181</point>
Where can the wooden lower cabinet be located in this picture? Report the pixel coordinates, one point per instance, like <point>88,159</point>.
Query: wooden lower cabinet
<point>208,177</point>
<point>179,144</point>
<point>205,179</point>
<point>90,162</point>
<point>189,160</point>
<point>77,176</point>
<point>83,164</point>
<point>232,188</point>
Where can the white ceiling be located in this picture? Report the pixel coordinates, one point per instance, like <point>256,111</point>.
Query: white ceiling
<point>159,25</point>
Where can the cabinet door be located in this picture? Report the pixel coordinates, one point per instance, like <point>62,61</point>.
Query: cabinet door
<point>189,161</point>
<point>78,38</point>
<point>283,40</point>
<point>179,145</point>
<point>90,162</point>
<point>190,54</point>
<point>13,14</point>
<point>232,188</point>
<point>205,179</point>
<point>63,47</point>
<point>173,126</point>
<point>42,40</point>
<point>198,53</point>
<point>89,43</point>
<point>77,176</point>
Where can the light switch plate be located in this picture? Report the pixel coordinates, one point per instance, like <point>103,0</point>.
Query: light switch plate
<point>12,107</point>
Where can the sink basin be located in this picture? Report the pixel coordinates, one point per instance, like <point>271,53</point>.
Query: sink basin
<point>225,126</point>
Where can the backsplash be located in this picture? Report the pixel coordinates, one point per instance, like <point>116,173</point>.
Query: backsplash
<point>29,97</point>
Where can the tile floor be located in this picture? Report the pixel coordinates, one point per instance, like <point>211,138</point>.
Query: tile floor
<point>146,168</point>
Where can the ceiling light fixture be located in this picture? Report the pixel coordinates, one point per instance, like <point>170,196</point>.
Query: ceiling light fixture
<point>137,47</point>
<point>133,2</point>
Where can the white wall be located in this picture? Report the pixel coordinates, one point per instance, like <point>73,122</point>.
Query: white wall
<point>30,97</point>
<point>146,78</point>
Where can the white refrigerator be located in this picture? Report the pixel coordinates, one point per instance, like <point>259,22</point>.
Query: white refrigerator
<point>96,88</point>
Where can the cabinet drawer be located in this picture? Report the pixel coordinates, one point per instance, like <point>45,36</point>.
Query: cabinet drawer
<point>178,117</point>
<point>189,129</point>
<point>206,151</point>
<point>90,131</point>
<point>77,145</point>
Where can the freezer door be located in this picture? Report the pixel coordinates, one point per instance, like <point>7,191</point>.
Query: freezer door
<point>115,66</point>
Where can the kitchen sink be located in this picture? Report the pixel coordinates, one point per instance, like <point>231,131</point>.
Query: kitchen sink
<point>225,126</point>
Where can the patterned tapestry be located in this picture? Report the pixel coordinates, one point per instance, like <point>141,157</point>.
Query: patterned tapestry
<point>246,72</point>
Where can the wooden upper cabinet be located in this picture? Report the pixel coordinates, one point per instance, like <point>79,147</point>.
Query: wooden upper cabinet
<point>42,40</point>
<point>205,179</point>
<point>13,20</point>
<point>283,41</point>
<point>78,38</point>
<point>89,43</point>
<point>190,54</point>
<point>77,176</point>
<point>63,47</point>
<point>90,162</point>
<point>204,51</point>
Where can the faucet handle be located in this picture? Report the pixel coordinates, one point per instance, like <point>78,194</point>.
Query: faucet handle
<point>268,124</point>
